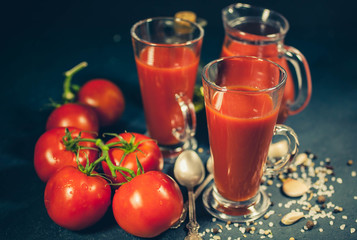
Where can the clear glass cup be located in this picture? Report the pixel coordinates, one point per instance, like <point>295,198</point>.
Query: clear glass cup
<point>260,32</point>
<point>242,99</point>
<point>167,53</point>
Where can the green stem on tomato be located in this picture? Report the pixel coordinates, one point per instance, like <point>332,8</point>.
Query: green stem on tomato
<point>93,165</point>
<point>93,140</point>
<point>105,157</point>
<point>68,95</point>
<point>72,145</point>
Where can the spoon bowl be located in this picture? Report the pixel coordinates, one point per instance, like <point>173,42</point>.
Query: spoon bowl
<point>189,170</point>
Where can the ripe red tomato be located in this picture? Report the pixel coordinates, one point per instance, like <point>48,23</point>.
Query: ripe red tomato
<point>73,115</point>
<point>51,154</point>
<point>105,97</point>
<point>74,200</point>
<point>136,146</point>
<point>148,205</point>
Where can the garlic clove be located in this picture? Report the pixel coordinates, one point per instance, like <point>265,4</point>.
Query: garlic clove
<point>294,188</point>
<point>292,217</point>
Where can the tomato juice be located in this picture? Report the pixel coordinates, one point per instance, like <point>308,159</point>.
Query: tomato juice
<point>240,127</point>
<point>164,72</point>
<point>268,51</point>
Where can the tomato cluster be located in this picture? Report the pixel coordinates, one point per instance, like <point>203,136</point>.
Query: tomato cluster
<point>99,102</point>
<point>81,170</point>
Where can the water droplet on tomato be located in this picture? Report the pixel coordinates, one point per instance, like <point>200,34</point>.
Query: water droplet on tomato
<point>84,186</point>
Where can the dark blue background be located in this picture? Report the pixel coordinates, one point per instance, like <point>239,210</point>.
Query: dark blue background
<point>42,39</point>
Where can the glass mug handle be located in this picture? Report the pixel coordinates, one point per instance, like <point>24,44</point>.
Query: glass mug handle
<point>189,116</point>
<point>298,60</point>
<point>275,165</point>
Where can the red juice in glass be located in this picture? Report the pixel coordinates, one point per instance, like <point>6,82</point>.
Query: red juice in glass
<point>164,72</point>
<point>242,99</point>
<point>254,31</point>
<point>270,52</point>
<point>244,121</point>
<point>167,52</point>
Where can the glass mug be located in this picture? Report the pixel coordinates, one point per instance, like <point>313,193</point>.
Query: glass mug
<point>167,53</point>
<point>254,31</point>
<point>242,99</point>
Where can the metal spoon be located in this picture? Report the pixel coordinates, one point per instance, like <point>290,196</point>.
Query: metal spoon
<point>209,178</point>
<point>189,172</point>
<point>209,166</point>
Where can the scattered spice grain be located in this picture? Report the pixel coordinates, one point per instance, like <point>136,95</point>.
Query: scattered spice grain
<point>321,199</point>
<point>337,209</point>
<point>310,225</point>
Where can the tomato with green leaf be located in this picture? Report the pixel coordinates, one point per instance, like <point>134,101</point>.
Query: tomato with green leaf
<point>76,200</point>
<point>126,148</point>
<point>69,113</point>
<point>148,204</point>
<point>58,147</point>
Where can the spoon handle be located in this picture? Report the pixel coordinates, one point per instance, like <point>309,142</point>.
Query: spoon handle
<point>185,206</point>
<point>192,225</point>
<point>203,185</point>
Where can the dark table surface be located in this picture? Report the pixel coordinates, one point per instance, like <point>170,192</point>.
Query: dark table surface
<point>42,39</point>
